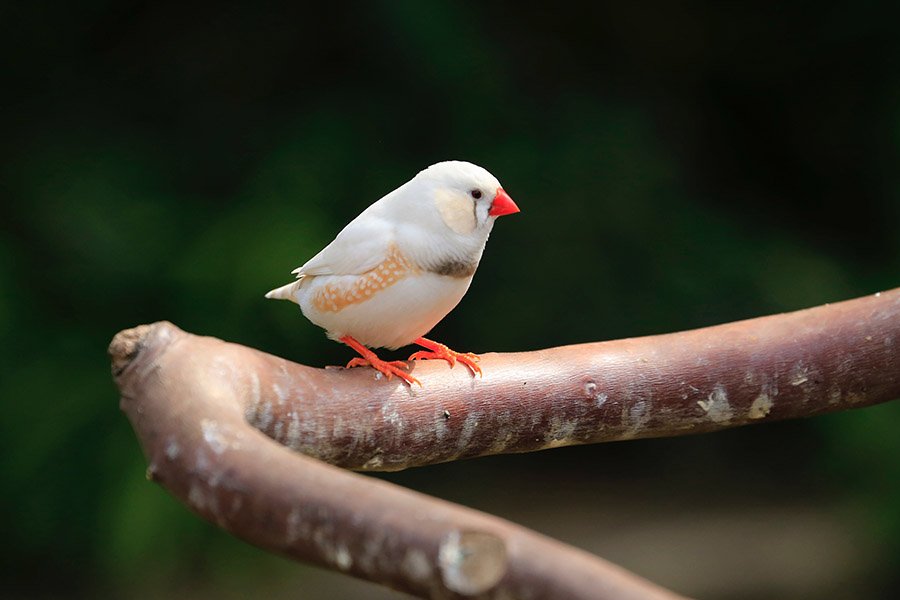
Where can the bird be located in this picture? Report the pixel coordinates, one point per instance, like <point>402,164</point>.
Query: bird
<point>399,267</point>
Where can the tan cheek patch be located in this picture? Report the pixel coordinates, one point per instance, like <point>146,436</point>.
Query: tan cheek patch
<point>456,210</point>
<point>333,298</point>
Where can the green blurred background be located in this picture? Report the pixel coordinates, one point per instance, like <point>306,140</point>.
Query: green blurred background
<point>677,165</point>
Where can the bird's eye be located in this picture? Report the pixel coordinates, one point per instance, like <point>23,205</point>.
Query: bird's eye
<point>476,194</point>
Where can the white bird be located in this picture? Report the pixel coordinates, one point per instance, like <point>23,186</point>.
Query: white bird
<point>399,267</point>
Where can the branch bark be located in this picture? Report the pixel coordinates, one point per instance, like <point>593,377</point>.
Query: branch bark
<point>200,408</point>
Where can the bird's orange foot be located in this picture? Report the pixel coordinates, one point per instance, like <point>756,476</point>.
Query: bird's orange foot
<point>388,368</point>
<point>436,350</point>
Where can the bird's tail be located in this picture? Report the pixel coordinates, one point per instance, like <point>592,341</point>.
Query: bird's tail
<point>285,292</point>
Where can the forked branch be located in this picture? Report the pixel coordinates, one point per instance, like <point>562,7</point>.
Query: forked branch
<point>200,407</point>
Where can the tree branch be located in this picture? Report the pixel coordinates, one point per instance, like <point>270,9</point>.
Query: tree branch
<point>186,397</point>
<point>198,406</point>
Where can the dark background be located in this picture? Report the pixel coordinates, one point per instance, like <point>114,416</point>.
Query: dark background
<point>677,165</point>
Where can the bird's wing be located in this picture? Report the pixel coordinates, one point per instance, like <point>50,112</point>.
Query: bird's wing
<point>360,247</point>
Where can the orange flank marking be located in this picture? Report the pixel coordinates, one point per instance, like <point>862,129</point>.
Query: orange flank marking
<point>440,351</point>
<point>370,359</point>
<point>333,298</point>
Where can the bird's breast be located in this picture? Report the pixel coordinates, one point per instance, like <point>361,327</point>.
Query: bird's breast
<point>389,306</point>
<point>390,317</point>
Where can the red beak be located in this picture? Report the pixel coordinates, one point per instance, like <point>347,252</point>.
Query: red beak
<point>502,205</point>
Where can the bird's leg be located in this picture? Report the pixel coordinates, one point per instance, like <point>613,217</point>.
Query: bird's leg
<point>369,359</point>
<point>436,350</point>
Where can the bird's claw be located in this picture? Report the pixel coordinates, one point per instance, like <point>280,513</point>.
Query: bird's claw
<point>444,353</point>
<point>388,368</point>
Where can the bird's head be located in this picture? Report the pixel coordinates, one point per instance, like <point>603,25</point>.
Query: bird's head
<point>468,197</point>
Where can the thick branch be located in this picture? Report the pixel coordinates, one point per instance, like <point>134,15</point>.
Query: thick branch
<point>186,397</point>
<point>192,401</point>
<point>779,367</point>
